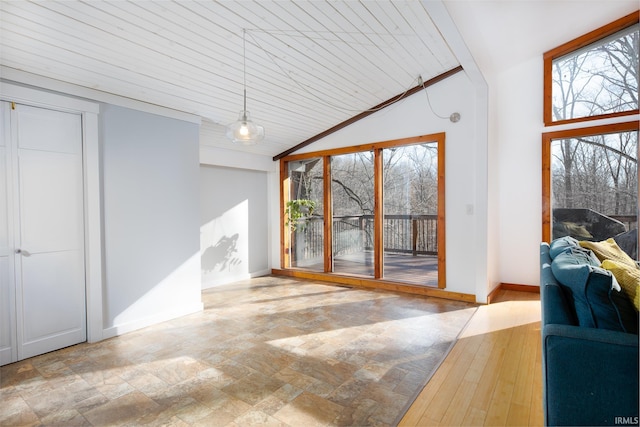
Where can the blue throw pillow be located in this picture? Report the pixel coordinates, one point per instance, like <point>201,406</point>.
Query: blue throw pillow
<point>580,255</point>
<point>596,295</point>
<point>592,258</point>
<point>561,244</point>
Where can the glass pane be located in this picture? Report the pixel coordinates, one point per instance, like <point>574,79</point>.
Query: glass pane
<point>600,79</point>
<point>595,188</point>
<point>304,214</point>
<point>410,213</point>
<point>353,202</point>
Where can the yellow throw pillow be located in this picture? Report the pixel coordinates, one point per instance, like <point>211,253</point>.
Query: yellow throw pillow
<point>628,278</point>
<point>609,249</point>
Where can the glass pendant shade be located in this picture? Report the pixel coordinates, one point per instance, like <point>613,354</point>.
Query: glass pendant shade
<point>244,131</point>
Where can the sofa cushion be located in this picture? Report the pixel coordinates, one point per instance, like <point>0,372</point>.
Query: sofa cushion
<point>609,249</point>
<point>628,277</point>
<point>595,294</point>
<point>561,244</point>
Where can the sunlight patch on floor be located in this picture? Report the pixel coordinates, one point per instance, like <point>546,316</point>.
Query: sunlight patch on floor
<point>502,315</point>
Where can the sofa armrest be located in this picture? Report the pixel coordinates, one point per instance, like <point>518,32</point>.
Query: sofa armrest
<point>590,375</point>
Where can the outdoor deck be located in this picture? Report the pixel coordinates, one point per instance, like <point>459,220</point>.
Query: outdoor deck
<point>406,268</point>
<point>410,245</point>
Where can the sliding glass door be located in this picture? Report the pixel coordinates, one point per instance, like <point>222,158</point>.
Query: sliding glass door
<point>304,214</point>
<point>410,176</point>
<point>375,212</point>
<point>353,204</point>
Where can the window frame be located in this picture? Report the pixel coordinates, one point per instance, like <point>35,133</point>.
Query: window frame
<point>547,138</point>
<point>573,46</point>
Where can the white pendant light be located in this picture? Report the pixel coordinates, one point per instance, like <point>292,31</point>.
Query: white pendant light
<point>244,131</point>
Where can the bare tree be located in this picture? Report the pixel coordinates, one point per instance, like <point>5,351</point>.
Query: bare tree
<point>620,57</point>
<point>600,171</point>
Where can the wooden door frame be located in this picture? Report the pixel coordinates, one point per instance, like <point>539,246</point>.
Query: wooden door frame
<point>377,281</point>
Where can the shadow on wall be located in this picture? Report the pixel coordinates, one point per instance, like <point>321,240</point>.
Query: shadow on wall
<point>222,255</point>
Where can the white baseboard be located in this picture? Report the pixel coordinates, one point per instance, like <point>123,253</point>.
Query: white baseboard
<point>211,283</point>
<point>261,273</point>
<point>116,330</point>
<point>7,355</point>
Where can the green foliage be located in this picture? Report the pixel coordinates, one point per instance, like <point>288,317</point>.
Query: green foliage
<point>296,211</point>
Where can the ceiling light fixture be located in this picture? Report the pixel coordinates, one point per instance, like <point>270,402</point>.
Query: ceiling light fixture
<point>244,131</point>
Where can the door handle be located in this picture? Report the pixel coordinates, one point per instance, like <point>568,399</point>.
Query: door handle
<point>23,252</point>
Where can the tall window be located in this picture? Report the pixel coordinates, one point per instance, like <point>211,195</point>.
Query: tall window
<point>590,173</point>
<point>375,212</point>
<point>591,184</point>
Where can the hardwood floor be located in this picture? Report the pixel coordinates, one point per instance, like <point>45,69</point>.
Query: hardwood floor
<point>493,374</point>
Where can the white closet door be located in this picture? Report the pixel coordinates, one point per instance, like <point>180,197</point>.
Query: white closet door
<point>49,230</point>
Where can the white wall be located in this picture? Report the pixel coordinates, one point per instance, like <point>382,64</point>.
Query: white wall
<point>493,194</point>
<point>234,219</point>
<point>519,160</point>
<point>413,117</point>
<point>151,218</point>
<point>512,67</point>
<point>517,111</point>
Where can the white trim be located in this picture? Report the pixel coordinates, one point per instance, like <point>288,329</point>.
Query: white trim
<point>481,243</point>
<point>92,190</point>
<point>212,283</point>
<point>9,355</point>
<point>93,226</point>
<point>24,77</point>
<point>38,98</point>
<point>124,328</point>
<point>273,214</point>
<point>216,156</point>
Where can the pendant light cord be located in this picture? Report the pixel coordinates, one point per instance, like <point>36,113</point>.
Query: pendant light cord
<point>244,69</point>
<point>272,57</point>
<point>341,106</point>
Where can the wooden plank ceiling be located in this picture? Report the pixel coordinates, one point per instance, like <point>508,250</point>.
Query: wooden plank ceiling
<point>309,64</point>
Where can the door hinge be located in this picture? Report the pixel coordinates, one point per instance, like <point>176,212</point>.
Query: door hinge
<point>13,105</point>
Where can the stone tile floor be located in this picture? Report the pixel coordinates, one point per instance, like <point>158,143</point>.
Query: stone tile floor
<point>272,351</point>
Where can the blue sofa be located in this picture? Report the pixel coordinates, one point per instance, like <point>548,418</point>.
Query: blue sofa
<point>590,374</point>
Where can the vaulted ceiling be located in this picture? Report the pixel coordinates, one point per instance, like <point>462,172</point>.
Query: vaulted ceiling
<point>310,64</point>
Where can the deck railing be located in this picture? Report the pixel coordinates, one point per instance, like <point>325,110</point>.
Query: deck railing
<point>409,234</point>
<point>629,221</point>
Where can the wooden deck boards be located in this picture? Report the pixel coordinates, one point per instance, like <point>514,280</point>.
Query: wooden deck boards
<point>406,268</point>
